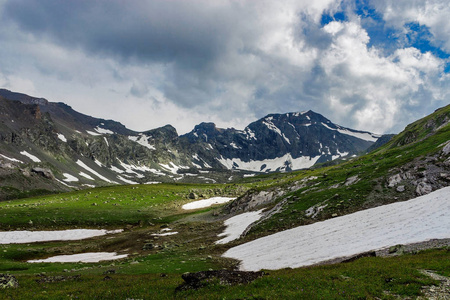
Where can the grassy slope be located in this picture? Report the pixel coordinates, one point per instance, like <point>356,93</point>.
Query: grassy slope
<point>327,185</point>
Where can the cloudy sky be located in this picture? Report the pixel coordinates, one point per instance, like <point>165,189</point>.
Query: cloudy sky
<point>373,65</point>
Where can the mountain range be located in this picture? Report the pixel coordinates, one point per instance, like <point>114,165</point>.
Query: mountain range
<point>51,147</point>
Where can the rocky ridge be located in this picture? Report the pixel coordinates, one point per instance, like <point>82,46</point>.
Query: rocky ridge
<point>82,151</point>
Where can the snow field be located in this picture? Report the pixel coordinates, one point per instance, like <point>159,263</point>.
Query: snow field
<point>90,257</point>
<point>417,220</point>
<point>25,236</point>
<point>30,156</point>
<point>236,225</point>
<point>206,202</point>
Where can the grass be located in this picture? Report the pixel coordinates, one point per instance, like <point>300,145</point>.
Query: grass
<point>143,210</point>
<point>104,207</point>
<point>366,278</point>
<point>326,185</point>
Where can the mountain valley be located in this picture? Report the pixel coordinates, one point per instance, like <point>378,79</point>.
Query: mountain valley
<point>221,201</point>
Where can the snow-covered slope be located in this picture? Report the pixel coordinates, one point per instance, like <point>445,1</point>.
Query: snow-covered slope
<point>417,220</point>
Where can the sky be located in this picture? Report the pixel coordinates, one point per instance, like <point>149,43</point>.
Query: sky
<point>374,65</point>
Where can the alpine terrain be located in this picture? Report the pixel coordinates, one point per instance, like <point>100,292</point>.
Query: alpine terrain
<point>47,146</point>
<point>291,207</point>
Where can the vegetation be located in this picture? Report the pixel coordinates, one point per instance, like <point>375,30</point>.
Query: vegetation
<point>155,263</point>
<point>366,278</point>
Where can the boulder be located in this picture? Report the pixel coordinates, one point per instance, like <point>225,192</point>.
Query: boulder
<point>423,188</point>
<point>148,246</point>
<point>401,188</point>
<point>394,180</point>
<point>47,173</point>
<point>446,149</point>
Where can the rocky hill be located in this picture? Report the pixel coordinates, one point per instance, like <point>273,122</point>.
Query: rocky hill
<point>76,150</point>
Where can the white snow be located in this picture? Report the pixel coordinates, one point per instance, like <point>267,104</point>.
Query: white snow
<point>86,176</point>
<point>164,234</point>
<point>236,225</point>
<point>274,128</point>
<point>142,139</point>
<point>90,257</point>
<point>84,166</point>
<point>270,164</point>
<point>30,156</point>
<point>233,144</point>
<point>413,221</point>
<point>98,163</point>
<point>116,169</point>
<point>249,175</point>
<point>103,130</point>
<point>173,168</point>
<point>206,202</point>
<point>249,134</point>
<point>126,180</point>
<point>62,137</point>
<point>106,141</point>
<point>69,178</point>
<point>24,236</point>
<point>11,159</point>
<point>93,133</point>
<point>360,135</point>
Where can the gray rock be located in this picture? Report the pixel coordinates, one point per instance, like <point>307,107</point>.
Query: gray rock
<point>423,188</point>
<point>446,149</point>
<point>8,281</point>
<point>397,249</point>
<point>401,188</point>
<point>351,180</point>
<point>193,196</point>
<point>47,173</point>
<point>445,176</point>
<point>148,246</point>
<point>394,180</point>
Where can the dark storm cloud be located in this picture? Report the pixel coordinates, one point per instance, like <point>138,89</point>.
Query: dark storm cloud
<point>232,61</point>
<point>147,30</point>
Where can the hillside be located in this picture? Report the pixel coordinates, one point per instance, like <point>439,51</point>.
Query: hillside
<point>49,147</point>
<point>359,209</point>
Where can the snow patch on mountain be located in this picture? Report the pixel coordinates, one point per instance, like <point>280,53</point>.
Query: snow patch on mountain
<point>103,130</point>
<point>87,176</point>
<point>11,159</point>
<point>69,178</point>
<point>172,167</point>
<point>62,137</point>
<point>93,133</point>
<point>142,139</point>
<point>30,156</point>
<point>417,220</point>
<point>268,122</point>
<point>126,180</point>
<point>270,165</point>
<point>358,134</point>
<point>84,166</point>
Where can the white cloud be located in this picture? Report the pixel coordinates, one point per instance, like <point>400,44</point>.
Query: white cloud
<point>431,13</point>
<point>229,62</point>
